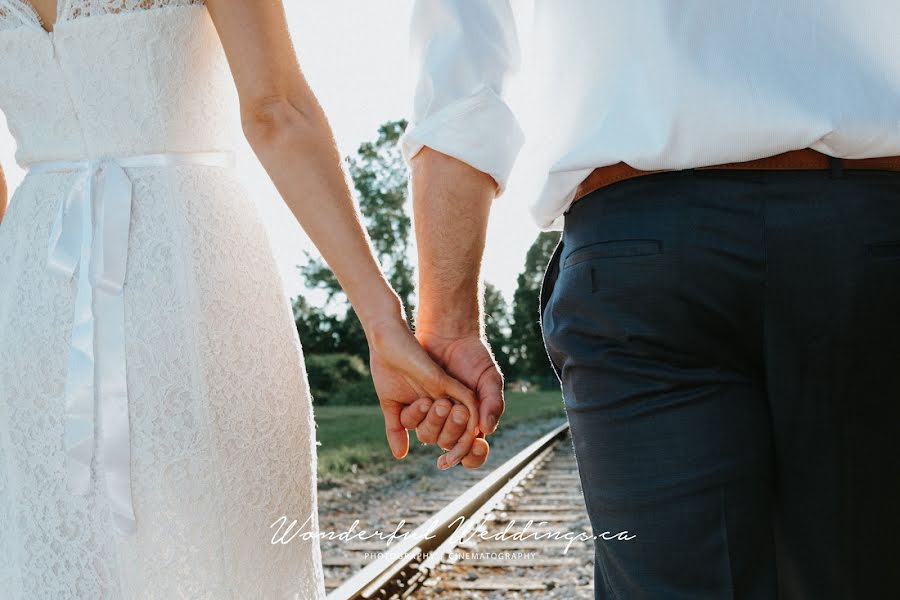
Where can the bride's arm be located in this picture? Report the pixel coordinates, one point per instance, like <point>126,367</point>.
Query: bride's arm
<point>3,192</point>
<point>289,133</point>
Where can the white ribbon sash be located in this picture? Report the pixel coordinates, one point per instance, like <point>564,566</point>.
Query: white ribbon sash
<point>89,239</point>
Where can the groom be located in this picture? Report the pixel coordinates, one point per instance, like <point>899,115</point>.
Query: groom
<point>722,307</point>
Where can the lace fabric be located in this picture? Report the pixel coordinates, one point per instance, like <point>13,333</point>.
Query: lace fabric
<point>76,9</point>
<point>17,13</point>
<point>222,431</point>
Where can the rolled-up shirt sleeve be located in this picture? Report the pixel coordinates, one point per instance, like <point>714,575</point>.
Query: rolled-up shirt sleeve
<point>463,51</point>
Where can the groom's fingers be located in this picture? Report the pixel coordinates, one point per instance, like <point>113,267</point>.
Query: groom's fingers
<point>458,452</point>
<point>478,455</point>
<point>462,394</point>
<point>397,436</point>
<point>454,427</point>
<point>439,384</point>
<point>466,397</point>
<point>490,393</point>
<point>430,428</point>
<point>413,414</point>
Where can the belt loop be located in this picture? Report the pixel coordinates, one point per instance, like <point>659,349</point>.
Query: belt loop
<point>837,166</point>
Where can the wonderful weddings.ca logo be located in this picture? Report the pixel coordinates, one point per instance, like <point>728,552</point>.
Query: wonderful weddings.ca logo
<point>290,531</point>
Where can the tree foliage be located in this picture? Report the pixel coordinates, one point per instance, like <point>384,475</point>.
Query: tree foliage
<point>330,374</point>
<point>497,326</point>
<point>526,343</point>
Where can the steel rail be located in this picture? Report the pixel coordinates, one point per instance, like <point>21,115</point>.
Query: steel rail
<point>401,569</point>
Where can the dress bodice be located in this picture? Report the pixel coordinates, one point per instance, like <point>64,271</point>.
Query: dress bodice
<point>115,81</point>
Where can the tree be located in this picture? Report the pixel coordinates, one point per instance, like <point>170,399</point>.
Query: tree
<point>330,376</point>
<point>380,177</point>
<point>316,329</point>
<point>526,342</point>
<point>496,326</point>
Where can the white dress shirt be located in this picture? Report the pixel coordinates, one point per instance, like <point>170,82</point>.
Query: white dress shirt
<point>657,84</point>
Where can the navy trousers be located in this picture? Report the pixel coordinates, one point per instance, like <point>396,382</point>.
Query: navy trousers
<point>728,344</point>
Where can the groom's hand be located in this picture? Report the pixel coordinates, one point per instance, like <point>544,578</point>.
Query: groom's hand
<point>467,358</point>
<point>406,376</point>
<point>451,202</point>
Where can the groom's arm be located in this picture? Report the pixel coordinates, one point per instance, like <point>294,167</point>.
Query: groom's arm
<point>461,144</point>
<point>451,204</point>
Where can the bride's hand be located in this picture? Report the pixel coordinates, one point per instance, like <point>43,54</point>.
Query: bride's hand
<point>404,373</point>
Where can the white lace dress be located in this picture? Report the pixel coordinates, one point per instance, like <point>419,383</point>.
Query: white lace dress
<point>219,421</point>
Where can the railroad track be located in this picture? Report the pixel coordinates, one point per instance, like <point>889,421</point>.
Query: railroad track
<point>521,530</point>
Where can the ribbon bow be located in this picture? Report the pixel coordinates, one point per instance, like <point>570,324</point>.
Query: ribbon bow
<point>89,239</point>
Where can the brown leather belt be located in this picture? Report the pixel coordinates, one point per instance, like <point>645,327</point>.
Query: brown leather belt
<point>795,159</point>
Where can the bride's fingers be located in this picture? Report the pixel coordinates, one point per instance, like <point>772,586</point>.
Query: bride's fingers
<point>412,415</point>
<point>430,428</point>
<point>478,455</point>
<point>397,436</point>
<point>454,426</point>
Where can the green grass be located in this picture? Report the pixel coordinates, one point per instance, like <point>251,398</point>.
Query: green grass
<point>352,437</point>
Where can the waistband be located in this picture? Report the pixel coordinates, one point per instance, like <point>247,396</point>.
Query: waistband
<point>162,159</point>
<point>805,159</point>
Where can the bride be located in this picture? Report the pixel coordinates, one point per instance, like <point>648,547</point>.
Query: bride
<point>155,417</point>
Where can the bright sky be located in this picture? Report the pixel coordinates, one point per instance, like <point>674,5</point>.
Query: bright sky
<point>354,53</point>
